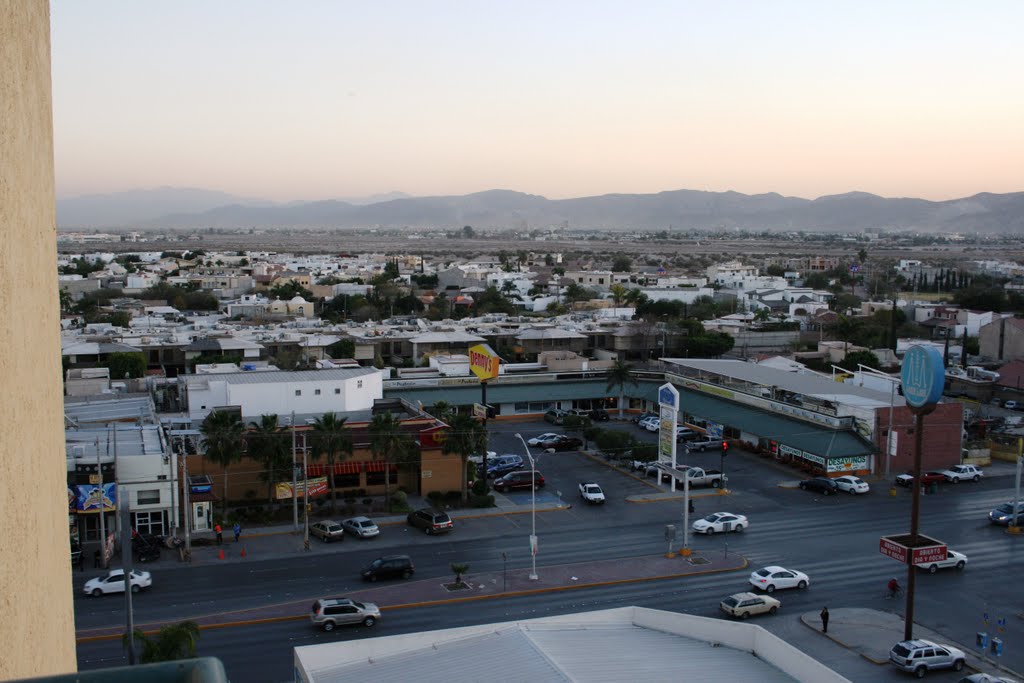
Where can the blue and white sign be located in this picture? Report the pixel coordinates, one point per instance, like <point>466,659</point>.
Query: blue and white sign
<point>923,375</point>
<point>668,396</point>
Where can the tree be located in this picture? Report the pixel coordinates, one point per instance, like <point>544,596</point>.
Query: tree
<point>862,255</point>
<point>222,443</point>
<point>173,641</point>
<point>618,375</point>
<point>857,358</point>
<point>289,290</point>
<point>442,410</point>
<point>622,264</point>
<point>619,293</point>
<point>389,443</point>
<point>268,444</point>
<point>468,232</point>
<point>465,436</point>
<point>816,281</point>
<point>124,365</point>
<point>345,348</point>
<point>459,569</point>
<point>762,315</point>
<point>330,438</point>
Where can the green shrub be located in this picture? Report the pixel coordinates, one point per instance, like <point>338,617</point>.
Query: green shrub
<point>452,497</point>
<point>481,501</point>
<point>435,497</point>
<point>480,487</point>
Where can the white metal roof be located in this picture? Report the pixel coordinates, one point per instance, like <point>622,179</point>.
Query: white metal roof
<point>253,377</point>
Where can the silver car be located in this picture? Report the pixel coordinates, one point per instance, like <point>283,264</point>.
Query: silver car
<point>330,612</point>
<point>921,656</point>
<point>327,530</point>
<point>360,527</point>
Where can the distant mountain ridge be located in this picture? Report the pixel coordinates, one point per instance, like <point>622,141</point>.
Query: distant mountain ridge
<point>676,209</point>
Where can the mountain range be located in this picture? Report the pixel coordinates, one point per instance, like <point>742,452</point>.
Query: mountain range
<point>494,209</point>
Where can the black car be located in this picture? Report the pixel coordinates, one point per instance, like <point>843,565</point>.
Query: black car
<point>563,443</point>
<point>389,567</point>
<point>431,521</point>
<point>599,415</point>
<point>822,485</point>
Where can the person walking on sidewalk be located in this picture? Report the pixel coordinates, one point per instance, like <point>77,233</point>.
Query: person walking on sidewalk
<point>824,619</point>
<point>238,531</point>
<point>220,534</point>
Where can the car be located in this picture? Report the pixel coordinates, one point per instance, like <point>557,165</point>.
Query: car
<point>986,678</point>
<point>555,416</point>
<point>478,458</point>
<point>330,612</point>
<point>953,559</point>
<point>360,527</point>
<point>592,493</point>
<point>851,484</point>
<point>822,485</point>
<point>578,412</point>
<point>653,424</point>
<point>327,530</point>
<point>1003,515</point>
<point>521,479</point>
<point>501,465</point>
<point>546,436</point>
<point>113,582</point>
<point>921,656</point>
<point>600,415</point>
<point>770,578</point>
<point>958,473</point>
<point>907,478</point>
<point>1012,405</point>
<point>720,521</point>
<point>643,416</point>
<point>685,434</point>
<point>743,605</point>
<point>430,520</point>
<point>563,443</point>
<point>389,567</point>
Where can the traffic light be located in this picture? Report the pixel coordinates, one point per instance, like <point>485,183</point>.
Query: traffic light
<point>725,448</point>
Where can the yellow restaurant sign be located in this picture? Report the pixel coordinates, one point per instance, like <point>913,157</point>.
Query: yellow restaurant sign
<point>483,361</point>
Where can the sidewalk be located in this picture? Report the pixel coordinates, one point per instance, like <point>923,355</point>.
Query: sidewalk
<point>396,595</point>
<point>872,633</point>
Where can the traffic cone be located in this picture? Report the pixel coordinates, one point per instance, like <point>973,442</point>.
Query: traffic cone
<point>243,551</point>
<point>220,555</point>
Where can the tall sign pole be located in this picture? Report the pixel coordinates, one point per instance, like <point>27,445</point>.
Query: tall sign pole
<point>923,376</point>
<point>483,362</point>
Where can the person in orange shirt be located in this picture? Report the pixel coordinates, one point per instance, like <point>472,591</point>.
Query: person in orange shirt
<point>220,534</point>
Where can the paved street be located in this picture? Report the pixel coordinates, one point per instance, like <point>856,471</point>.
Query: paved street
<point>833,539</point>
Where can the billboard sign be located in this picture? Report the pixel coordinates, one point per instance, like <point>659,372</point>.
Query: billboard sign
<point>317,487</point>
<point>896,551</point>
<point>483,361</point>
<point>924,551</point>
<point>668,400</point>
<point>89,498</point>
<point>923,375</point>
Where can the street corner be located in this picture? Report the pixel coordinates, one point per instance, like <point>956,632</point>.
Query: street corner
<point>868,632</point>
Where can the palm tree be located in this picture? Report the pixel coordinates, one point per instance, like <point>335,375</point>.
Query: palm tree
<point>390,444</point>
<point>466,435</point>
<point>441,410</point>
<point>331,439</point>
<point>268,444</point>
<point>222,443</point>
<point>174,641</point>
<point>618,293</point>
<point>618,375</point>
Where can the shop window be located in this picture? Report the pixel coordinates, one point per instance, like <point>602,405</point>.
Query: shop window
<point>337,391</point>
<point>377,478</point>
<point>149,497</point>
<point>298,392</point>
<point>316,392</point>
<point>348,481</point>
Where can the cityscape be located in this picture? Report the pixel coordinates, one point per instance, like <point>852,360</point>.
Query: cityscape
<point>512,343</point>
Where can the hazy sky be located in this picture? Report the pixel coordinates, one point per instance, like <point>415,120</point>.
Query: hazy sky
<point>319,99</point>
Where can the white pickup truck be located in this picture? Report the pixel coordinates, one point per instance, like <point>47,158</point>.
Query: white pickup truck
<point>592,493</point>
<point>702,444</point>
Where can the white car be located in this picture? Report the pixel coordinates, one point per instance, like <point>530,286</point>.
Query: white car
<point>959,473</point>
<point>851,484</point>
<point>478,458</point>
<point>742,605</point>
<point>719,522</point>
<point>113,582</point>
<point>953,559</point>
<point>361,527</point>
<point>770,578</point>
<point>652,425</point>
<point>546,436</point>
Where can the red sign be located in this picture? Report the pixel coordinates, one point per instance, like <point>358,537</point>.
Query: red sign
<point>894,550</point>
<point>933,553</point>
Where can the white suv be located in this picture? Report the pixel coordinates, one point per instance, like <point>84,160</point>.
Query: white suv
<point>958,473</point>
<point>921,656</point>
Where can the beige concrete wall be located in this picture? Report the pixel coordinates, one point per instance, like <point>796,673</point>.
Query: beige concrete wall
<point>37,628</point>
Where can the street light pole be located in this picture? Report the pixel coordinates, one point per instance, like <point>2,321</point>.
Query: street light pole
<point>533,508</point>
<point>295,482</point>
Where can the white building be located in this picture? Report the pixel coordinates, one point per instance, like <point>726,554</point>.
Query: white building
<point>279,393</point>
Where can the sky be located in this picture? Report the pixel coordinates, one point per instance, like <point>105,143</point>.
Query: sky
<point>318,99</point>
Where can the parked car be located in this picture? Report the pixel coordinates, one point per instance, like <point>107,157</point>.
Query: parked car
<point>389,567</point>
<point>921,656</point>
<point>702,443</point>
<point>743,605</point>
<point>652,424</point>
<point>907,478</point>
<point>546,436</point>
<point>958,473</point>
<point>327,530</point>
<point>563,443</point>
<point>360,527</point>
<point>643,416</point>
<point>851,484</point>
<point>502,465</point>
<point>685,434</point>
<point>478,458</point>
<point>555,416</point>
<point>986,678</point>
<point>822,485</point>
<point>770,578</point>
<point>953,559</point>
<point>330,612</point>
<point>720,521</point>
<point>579,412</point>
<point>430,520</point>
<point>599,415</point>
<point>592,493</point>
<point>1012,405</point>
<point>521,479</point>
<point>1003,514</point>
<point>113,582</point>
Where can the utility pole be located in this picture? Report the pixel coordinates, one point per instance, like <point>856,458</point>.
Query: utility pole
<point>295,482</point>
<point>103,507</point>
<point>187,511</point>
<point>126,564</point>
<point>305,493</point>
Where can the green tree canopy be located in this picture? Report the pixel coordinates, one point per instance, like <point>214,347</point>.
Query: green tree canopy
<point>331,440</point>
<point>123,365</point>
<point>222,443</point>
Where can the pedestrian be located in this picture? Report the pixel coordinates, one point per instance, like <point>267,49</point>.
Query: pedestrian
<point>238,531</point>
<point>691,506</point>
<point>220,534</point>
<point>824,619</point>
<point>96,559</point>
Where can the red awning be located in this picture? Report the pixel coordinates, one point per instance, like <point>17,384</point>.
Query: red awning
<point>379,466</point>
<point>319,470</point>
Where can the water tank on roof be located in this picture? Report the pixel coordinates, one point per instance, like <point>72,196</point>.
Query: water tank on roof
<point>248,366</point>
